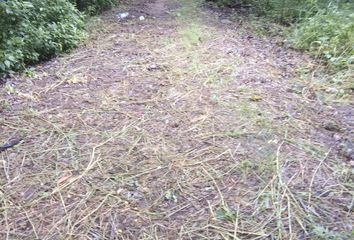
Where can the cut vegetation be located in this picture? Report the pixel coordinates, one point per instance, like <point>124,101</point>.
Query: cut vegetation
<point>185,125</point>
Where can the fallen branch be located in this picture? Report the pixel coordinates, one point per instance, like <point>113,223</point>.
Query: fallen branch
<point>11,143</point>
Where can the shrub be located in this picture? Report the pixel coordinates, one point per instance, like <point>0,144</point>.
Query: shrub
<point>327,34</point>
<point>31,31</point>
<point>322,27</point>
<point>93,6</point>
<point>284,11</point>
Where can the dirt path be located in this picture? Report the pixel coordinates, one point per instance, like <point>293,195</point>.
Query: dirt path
<point>181,126</point>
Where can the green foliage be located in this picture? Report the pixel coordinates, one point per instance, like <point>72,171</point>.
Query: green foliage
<point>93,6</point>
<point>322,27</point>
<point>31,31</point>
<point>36,30</point>
<point>328,34</point>
<point>322,233</point>
<point>224,213</point>
<point>286,11</point>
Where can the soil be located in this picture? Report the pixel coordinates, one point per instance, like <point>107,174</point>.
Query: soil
<point>180,126</point>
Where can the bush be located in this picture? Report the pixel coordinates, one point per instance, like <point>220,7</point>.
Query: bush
<point>31,31</point>
<point>328,34</point>
<point>322,27</point>
<point>284,11</point>
<point>93,6</point>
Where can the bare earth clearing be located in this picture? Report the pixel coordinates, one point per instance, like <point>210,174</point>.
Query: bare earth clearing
<point>181,126</point>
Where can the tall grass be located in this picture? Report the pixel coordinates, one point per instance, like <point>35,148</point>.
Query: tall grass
<point>328,34</point>
<point>324,28</point>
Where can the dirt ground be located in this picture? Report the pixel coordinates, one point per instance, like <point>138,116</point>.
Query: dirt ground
<point>186,125</point>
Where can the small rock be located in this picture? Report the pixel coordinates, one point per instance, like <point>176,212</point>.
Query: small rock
<point>347,149</point>
<point>11,143</point>
<point>297,89</point>
<point>154,67</point>
<point>332,126</point>
<point>351,163</point>
<point>226,21</point>
<point>141,18</point>
<point>123,15</point>
<point>174,124</point>
<point>337,137</point>
<point>332,90</point>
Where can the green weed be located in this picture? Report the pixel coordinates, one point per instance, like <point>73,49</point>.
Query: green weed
<point>36,30</point>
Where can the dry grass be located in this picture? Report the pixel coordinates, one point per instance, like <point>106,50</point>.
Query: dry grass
<point>168,129</point>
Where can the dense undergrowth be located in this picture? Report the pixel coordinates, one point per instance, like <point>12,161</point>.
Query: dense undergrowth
<point>324,28</point>
<point>93,6</point>
<point>36,30</point>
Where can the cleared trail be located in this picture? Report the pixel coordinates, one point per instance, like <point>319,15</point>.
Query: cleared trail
<point>182,126</point>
